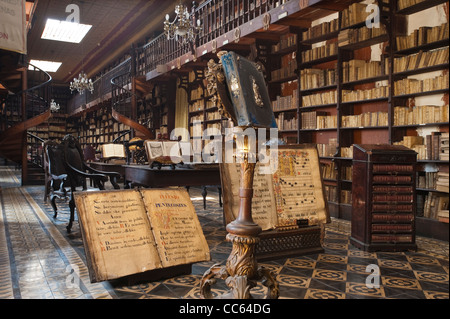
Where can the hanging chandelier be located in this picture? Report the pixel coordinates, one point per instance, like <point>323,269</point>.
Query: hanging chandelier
<point>53,106</point>
<point>81,83</point>
<point>182,28</point>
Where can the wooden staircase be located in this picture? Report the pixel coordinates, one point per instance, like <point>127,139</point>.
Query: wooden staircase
<point>25,104</point>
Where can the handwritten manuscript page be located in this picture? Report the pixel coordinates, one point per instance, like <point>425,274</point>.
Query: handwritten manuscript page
<point>263,202</point>
<point>176,228</point>
<point>115,226</point>
<point>293,191</point>
<point>132,231</point>
<point>298,187</point>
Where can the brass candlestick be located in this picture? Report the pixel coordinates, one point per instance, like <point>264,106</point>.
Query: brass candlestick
<point>241,271</point>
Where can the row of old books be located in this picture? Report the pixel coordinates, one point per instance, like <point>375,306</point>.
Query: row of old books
<point>324,98</point>
<point>346,173</point>
<point>98,129</point>
<point>214,127</point>
<point>316,53</point>
<point>321,29</point>
<point>328,170</point>
<point>330,193</point>
<point>427,180</point>
<point>354,14</point>
<point>433,147</point>
<point>347,152</point>
<point>346,196</point>
<point>210,116</point>
<point>285,72</point>
<point>197,105</point>
<point>442,182</point>
<point>433,205</point>
<point>286,41</point>
<point>360,95</point>
<point>318,120</point>
<point>412,86</point>
<point>433,180</point>
<point>402,4</point>
<point>286,124</point>
<point>444,147</point>
<point>286,102</point>
<point>420,114</point>
<point>422,36</point>
<point>327,149</point>
<point>368,119</point>
<point>197,93</point>
<point>421,60</point>
<point>326,121</point>
<point>355,70</point>
<point>195,118</point>
<point>316,78</point>
<point>350,36</point>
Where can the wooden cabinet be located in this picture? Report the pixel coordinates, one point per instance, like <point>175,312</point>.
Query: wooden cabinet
<point>383,202</point>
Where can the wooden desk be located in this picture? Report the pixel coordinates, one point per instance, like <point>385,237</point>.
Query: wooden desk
<point>142,175</point>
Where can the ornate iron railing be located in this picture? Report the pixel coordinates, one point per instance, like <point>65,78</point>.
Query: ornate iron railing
<point>218,17</point>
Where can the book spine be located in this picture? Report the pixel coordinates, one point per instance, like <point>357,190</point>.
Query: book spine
<point>391,208</point>
<point>393,198</point>
<point>392,189</point>
<point>392,179</point>
<point>391,228</point>
<point>392,217</point>
<point>392,238</point>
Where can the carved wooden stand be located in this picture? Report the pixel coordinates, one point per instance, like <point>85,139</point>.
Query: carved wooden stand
<point>241,272</point>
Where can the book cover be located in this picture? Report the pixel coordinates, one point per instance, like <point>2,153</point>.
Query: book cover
<point>248,92</point>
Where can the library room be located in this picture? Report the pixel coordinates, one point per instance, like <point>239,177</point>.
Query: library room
<point>224,149</point>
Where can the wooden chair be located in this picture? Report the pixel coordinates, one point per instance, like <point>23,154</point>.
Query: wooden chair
<point>78,171</point>
<point>55,174</point>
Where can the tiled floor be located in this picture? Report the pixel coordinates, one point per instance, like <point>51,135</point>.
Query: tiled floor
<point>38,259</point>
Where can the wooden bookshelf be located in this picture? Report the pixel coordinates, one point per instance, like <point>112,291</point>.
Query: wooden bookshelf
<point>359,96</point>
<point>304,68</point>
<point>422,42</point>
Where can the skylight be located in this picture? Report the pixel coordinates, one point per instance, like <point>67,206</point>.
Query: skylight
<point>47,66</point>
<point>65,31</point>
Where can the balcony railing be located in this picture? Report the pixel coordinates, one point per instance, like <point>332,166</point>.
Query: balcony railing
<point>102,89</point>
<point>218,17</point>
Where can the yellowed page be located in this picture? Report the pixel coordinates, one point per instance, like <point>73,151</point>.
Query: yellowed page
<point>175,226</point>
<point>116,233</point>
<point>263,202</point>
<point>298,187</point>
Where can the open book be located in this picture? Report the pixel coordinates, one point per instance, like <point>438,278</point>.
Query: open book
<point>292,194</point>
<point>113,150</point>
<point>127,232</point>
<point>163,151</point>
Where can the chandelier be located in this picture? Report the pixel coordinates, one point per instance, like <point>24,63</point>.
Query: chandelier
<point>53,106</point>
<point>81,83</point>
<point>182,28</point>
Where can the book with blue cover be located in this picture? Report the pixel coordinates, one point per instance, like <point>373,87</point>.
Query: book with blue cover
<point>248,92</point>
